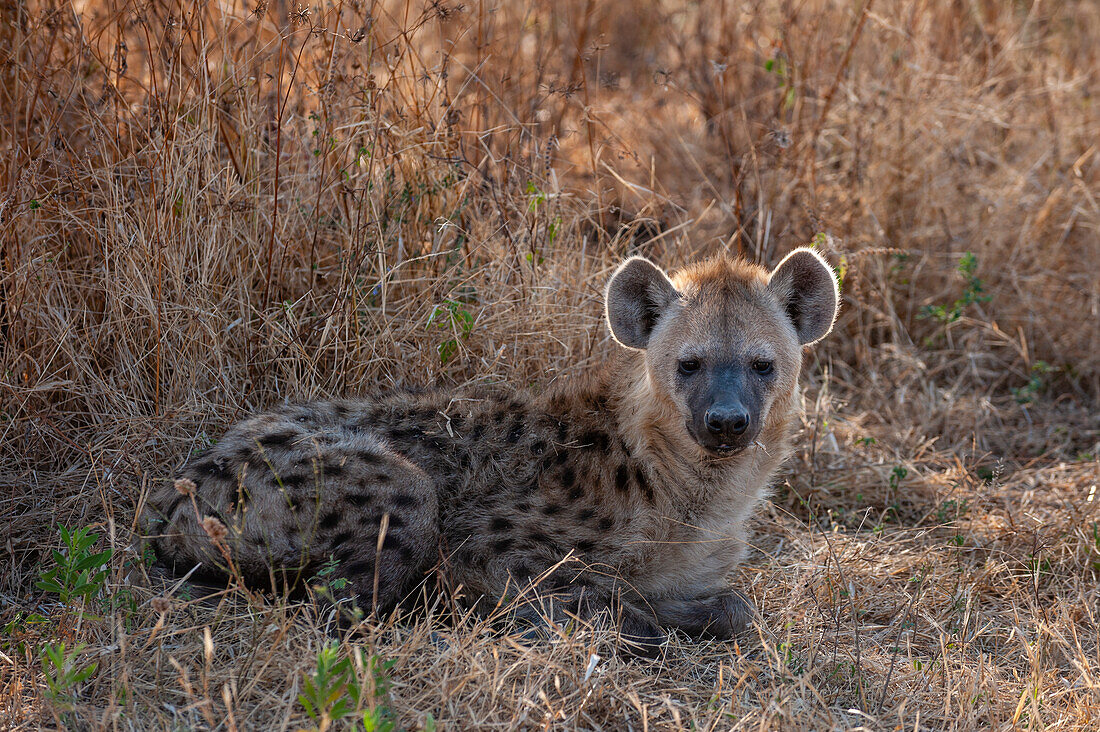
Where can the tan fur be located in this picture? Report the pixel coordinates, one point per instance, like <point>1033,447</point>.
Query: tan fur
<point>488,490</point>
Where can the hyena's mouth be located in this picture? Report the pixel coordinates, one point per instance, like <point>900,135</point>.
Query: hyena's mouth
<point>717,449</point>
<point>725,450</point>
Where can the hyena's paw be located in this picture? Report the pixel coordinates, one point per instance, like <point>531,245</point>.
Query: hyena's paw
<point>722,615</point>
<point>638,631</point>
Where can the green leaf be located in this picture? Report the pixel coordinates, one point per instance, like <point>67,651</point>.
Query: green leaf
<point>94,560</point>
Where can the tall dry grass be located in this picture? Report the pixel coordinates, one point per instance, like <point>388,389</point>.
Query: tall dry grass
<point>209,207</point>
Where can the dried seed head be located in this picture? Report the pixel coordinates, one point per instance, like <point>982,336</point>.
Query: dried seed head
<point>215,529</point>
<point>161,604</point>
<point>186,486</point>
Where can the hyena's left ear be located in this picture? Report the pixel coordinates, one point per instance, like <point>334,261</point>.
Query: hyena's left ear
<point>805,284</point>
<point>637,294</point>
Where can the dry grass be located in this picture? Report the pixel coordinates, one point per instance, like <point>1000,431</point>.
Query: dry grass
<point>205,208</point>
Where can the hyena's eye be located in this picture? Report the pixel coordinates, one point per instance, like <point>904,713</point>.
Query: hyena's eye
<point>689,366</point>
<point>762,367</point>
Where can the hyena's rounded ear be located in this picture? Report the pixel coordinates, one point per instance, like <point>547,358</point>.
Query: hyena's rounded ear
<point>805,284</point>
<point>637,294</point>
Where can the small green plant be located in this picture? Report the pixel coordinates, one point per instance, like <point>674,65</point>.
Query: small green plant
<point>453,317</point>
<point>897,475</point>
<point>333,691</point>
<point>1036,382</point>
<point>1037,567</point>
<point>778,65</point>
<point>972,293</point>
<point>1096,545</point>
<point>123,602</point>
<point>15,633</point>
<point>79,573</point>
<point>951,510</point>
<point>538,196</point>
<point>792,658</point>
<point>324,575</point>
<point>63,672</point>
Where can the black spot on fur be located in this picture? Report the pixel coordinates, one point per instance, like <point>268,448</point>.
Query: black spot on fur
<point>500,524</point>
<point>499,417</point>
<point>333,469</point>
<point>360,569</point>
<point>606,523</point>
<point>561,457</point>
<point>396,521</point>
<point>522,571</point>
<point>292,480</point>
<point>640,479</point>
<point>538,537</point>
<point>622,479</point>
<point>382,477</point>
<point>502,545</point>
<point>551,509</point>
<point>515,432</point>
<point>568,478</point>
<point>358,499</point>
<point>523,506</point>
<point>563,431</point>
<point>596,439</point>
<point>585,546</point>
<point>479,431</point>
<point>278,439</point>
<point>214,467</point>
<point>586,514</point>
<point>538,448</point>
<point>403,433</point>
<point>392,541</point>
<point>404,500</point>
<point>368,457</point>
<point>330,520</point>
<point>624,447</point>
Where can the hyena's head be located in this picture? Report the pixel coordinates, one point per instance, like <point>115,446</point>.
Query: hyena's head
<point>722,339</point>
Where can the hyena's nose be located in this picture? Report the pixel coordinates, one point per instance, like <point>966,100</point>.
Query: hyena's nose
<point>726,421</point>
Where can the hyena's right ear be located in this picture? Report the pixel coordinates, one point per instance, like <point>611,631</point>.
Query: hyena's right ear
<point>806,287</point>
<point>637,294</point>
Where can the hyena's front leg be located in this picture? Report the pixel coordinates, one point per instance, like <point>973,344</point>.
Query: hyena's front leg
<point>591,603</point>
<point>722,614</point>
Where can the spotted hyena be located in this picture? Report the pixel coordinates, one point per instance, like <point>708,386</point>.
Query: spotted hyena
<point>645,471</point>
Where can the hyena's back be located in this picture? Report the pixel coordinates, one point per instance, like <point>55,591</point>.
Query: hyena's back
<point>297,488</point>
